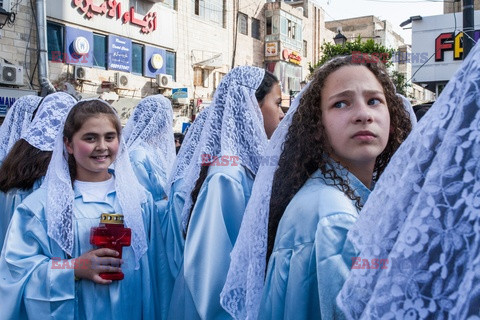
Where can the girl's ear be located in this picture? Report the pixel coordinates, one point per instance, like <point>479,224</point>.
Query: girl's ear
<point>68,145</point>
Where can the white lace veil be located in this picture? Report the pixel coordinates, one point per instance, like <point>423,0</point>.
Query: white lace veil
<point>242,291</point>
<point>59,210</point>
<point>424,216</point>
<point>188,148</point>
<point>150,126</point>
<point>408,107</point>
<point>49,120</point>
<point>16,121</point>
<point>234,127</point>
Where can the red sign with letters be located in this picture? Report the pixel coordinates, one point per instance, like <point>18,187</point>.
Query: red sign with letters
<point>113,9</point>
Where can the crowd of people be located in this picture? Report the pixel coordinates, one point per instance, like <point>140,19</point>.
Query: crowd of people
<point>345,207</point>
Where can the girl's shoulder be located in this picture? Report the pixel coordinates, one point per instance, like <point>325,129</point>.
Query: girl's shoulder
<point>318,195</point>
<point>231,170</point>
<point>36,203</point>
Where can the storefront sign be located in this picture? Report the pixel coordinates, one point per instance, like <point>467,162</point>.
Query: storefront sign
<point>179,93</point>
<point>119,53</point>
<point>294,57</point>
<point>155,61</point>
<point>448,41</point>
<point>78,47</point>
<point>271,49</point>
<point>113,9</point>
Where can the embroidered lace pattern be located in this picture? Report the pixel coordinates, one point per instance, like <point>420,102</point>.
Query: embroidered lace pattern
<point>424,217</point>
<point>16,121</point>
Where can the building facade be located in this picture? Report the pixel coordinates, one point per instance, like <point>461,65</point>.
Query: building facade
<point>381,31</point>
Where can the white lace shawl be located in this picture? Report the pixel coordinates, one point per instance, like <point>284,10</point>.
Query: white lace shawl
<point>424,217</point>
<point>242,291</point>
<point>188,148</point>
<point>408,107</point>
<point>59,210</point>
<point>49,120</point>
<point>16,121</point>
<point>150,126</point>
<point>234,127</point>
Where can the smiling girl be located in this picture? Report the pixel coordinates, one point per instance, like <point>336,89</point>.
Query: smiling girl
<point>54,223</point>
<point>333,144</point>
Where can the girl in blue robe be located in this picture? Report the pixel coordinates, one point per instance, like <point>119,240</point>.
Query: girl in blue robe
<point>148,135</point>
<point>26,162</point>
<point>49,268</point>
<point>424,217</point>
<point>291,256</point>
<point>172,225</point>
<point>217,185</point>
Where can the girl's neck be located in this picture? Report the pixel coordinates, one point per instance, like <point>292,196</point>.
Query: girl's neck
<point>99,177</point>
<point>363,171</point>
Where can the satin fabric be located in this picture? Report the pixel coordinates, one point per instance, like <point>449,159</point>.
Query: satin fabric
<point>8,203</point>
<point>32,285</point>
<point>311,256</point>
<point>172,227</point>
<point>148,173</point>
<point>211,235</point>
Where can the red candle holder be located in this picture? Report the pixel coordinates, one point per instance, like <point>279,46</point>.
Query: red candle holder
<point>113,235</point>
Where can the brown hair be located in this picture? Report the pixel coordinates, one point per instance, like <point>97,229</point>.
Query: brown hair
<point>22,166</point>
<point>79,114</point>
<point>307,130</point>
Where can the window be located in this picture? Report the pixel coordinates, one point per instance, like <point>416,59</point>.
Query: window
<point>99,50</point>
<point>198,77</point>
<point>170,64</point>
<point>55,42</point>
<point>197,7</point>
<point>268,27</point>
<point>242,25</point>
<point>210,10</point>
<point>137,58</point>
<point>255,28</point>
<point>305,48</point>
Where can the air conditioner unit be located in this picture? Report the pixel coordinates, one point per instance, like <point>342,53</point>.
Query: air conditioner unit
<point>120,80</point>
<point>11,74</point>
<point>164,80</point>
<point>80,73</point>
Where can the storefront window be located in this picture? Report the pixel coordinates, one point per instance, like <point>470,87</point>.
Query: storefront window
<point>99,50</point>
<point>55,41</point>
<point>137,58</point>
<point>170,64</point>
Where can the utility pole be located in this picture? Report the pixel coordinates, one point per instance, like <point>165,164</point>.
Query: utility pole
<point>468,27</point>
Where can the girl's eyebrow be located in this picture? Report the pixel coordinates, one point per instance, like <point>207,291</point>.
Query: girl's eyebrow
<point>98,134</point>
<point>349,93</point>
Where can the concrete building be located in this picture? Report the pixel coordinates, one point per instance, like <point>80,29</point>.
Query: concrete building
<point>382,32</point>
<point>124,50</point>
<point>456,6</point>
<point>439,40</point>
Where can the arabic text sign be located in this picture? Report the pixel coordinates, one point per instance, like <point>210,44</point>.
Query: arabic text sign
<point>119,53</point>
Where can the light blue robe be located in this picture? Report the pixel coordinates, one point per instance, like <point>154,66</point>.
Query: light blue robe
<point>172,227</point>
<point>148,173</point>
<point>311,256</point>
<point>211,235</point>
<point>8,202</point>
<point>31,287</point>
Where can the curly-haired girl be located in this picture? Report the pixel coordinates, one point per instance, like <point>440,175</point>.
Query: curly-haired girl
<point>331,148</point>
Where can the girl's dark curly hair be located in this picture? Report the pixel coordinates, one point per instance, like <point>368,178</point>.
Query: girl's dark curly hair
<point>306,145</point>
